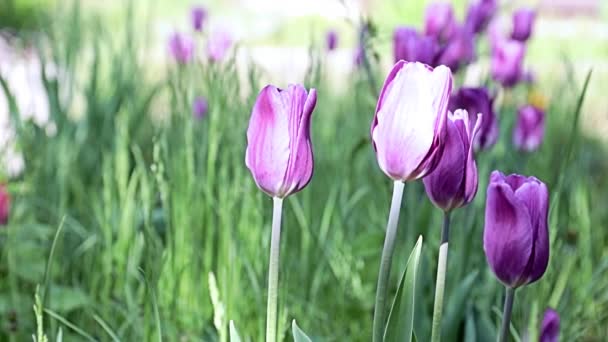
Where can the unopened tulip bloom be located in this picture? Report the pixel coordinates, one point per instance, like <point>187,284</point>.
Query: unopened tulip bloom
<point>199,14</point>
<point>409,127</point>
<point>549,331</point>
<point>478,101</point>
<point>507,61</point>
<point>332,40</point>
<point>439,21</point>
<point>181,47</point>
<point>515,237</point>
<point>529,129</point>
<point>279,151</point>
<point>523,22</point>
<point>453,184</point>
<point>200,107</point>
<point>479,14</point>
<point>5,204</point>
<point>458,51</point>
<point>410,46</point>
<point>218,45</point>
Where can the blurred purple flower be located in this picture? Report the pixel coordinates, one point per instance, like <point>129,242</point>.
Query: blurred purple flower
<point>523,22</point>
<point>459,49</point>
<point>549,331</point>
<point>5,204</point>
<point>199,14</point>
<point>529,129</point>
<point>507,61</point>
<point>200,107</point>
<point>218,45</point>
<point>358,55</point>
<point>479,14</point>
<point>410,46</point>
<point>439,21</point>
<point>478,101</point>
<point>181,47</point>
<point>332,40</point>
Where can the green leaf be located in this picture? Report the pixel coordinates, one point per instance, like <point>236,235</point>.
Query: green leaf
<point>401,318</point>
<point>234,335</point>
<point>454,314</point>
<point>298,334</point>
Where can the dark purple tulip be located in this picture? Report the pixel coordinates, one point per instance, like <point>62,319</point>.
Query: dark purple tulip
<point>549,331</point>
<point>529,129</point>
<point>459,50</point>
<point>5,204</point>
<point>200,107</point>
<point>410,46</point>
<point>478,101</point>
<point>479,14</point>
<point>199,14</point>
<point>507,61</point>
<point>332,40</point>
<point>181,47</point>
<point>453,184</point>
<point>439,21</point>
<point>523,21</point>
<point>515,235</point>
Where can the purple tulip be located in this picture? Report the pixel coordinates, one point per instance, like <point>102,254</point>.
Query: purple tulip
<point>5,204</point>
<point>218,45</point>
<point>279,151</point>
<point>479,14</point>
<point>200,107</point>
<point>332,40</point>
<point>507,61</point>
<point>410,46</point>
<point>439,21</point>
<point>515,236</point>
<point>453,184</point>
<point>459,50</point>
<point>549,331</point>
<point>409,127</point>
<point>181,47</point>
<point>478,101</point>
<point>529,129</point>
<point>523,22</point>
<point>199,14</point>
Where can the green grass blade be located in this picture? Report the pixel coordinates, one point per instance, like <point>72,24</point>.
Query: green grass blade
<point>298,334</point>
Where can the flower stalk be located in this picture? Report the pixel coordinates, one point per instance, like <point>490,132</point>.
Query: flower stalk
<point>273,271</point>
<point>506,314</point>
<point>440,284</point>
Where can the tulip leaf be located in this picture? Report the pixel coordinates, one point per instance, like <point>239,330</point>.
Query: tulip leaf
<point>234,335</point>
<point>298,334</point>
<point>453,307</point>
<point>401,318</point>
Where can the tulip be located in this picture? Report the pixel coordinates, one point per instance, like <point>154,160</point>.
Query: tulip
<point>218,45</point>
<point>453,184</point>
<point>459,50</point>
<point>475,101</point>
<point>479,14</point>
<point>279,151</point>
<point>200,107</point>
<point>199,14</point>
<point>507,60</point>
<point>523,21</point>
<point>332,40</point>
<point>410,46</point>
<point>439,21</point>
<point>409,126</point>
<point>549,331</point>
<point>529,129</point>
<point>181,47</point>
<point>5,205</point>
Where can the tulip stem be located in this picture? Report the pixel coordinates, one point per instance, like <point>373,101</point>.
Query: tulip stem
<point>273,271</point>
<point>506,314</point>
<point>440,284</point>
<point>385,262</point>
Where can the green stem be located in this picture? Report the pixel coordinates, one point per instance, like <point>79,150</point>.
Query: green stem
<point>273,271</point>
<point>506,314</point>
<point>385,263</point>
<point>440,284</point>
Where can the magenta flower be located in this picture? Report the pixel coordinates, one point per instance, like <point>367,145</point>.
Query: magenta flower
<point>199,15</point>
<point>453,184</point>
<point>218,45</point>
<point>410,46</point>
<point>439,21</point>
<point>529,129</point>
<point>507,61</point>
<point>479,14</point>
<point>200,107</point>
<point>5,204</point>
<point>409,127</point>
<point>516,237</point>
<point>181,47</point>
<point>332,40</point>
<point>523,22</point>
<point>478,101</point>
<point>459,49</point>
<point>279,150</point>
<point>549,331</point>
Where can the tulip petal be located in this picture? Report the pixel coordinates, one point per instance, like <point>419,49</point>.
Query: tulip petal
<point>471,180</point>
<point>301,162</point>
<point>549,331</point>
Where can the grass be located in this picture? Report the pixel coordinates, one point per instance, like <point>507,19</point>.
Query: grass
<point>146,229</point>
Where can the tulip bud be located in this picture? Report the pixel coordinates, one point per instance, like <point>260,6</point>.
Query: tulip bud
<point>479,14</point>
<point>516,237</point>
<point>279,151</point>
<point>529,129</point>
<point>199,107</point>
<point>218,45</point>
<point>5,204</point>
<point>549,331</point>
<point>453,184</point>
<point>507,61</point>
<point>410,46</point>
<point>409,127</point>
<point>199,14</point>
<point>181,47</point>
<point>439,21</point>
<point>332,40</point>
<point>478,100</point>
<point>459,50</point>
<point>523,21</point>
